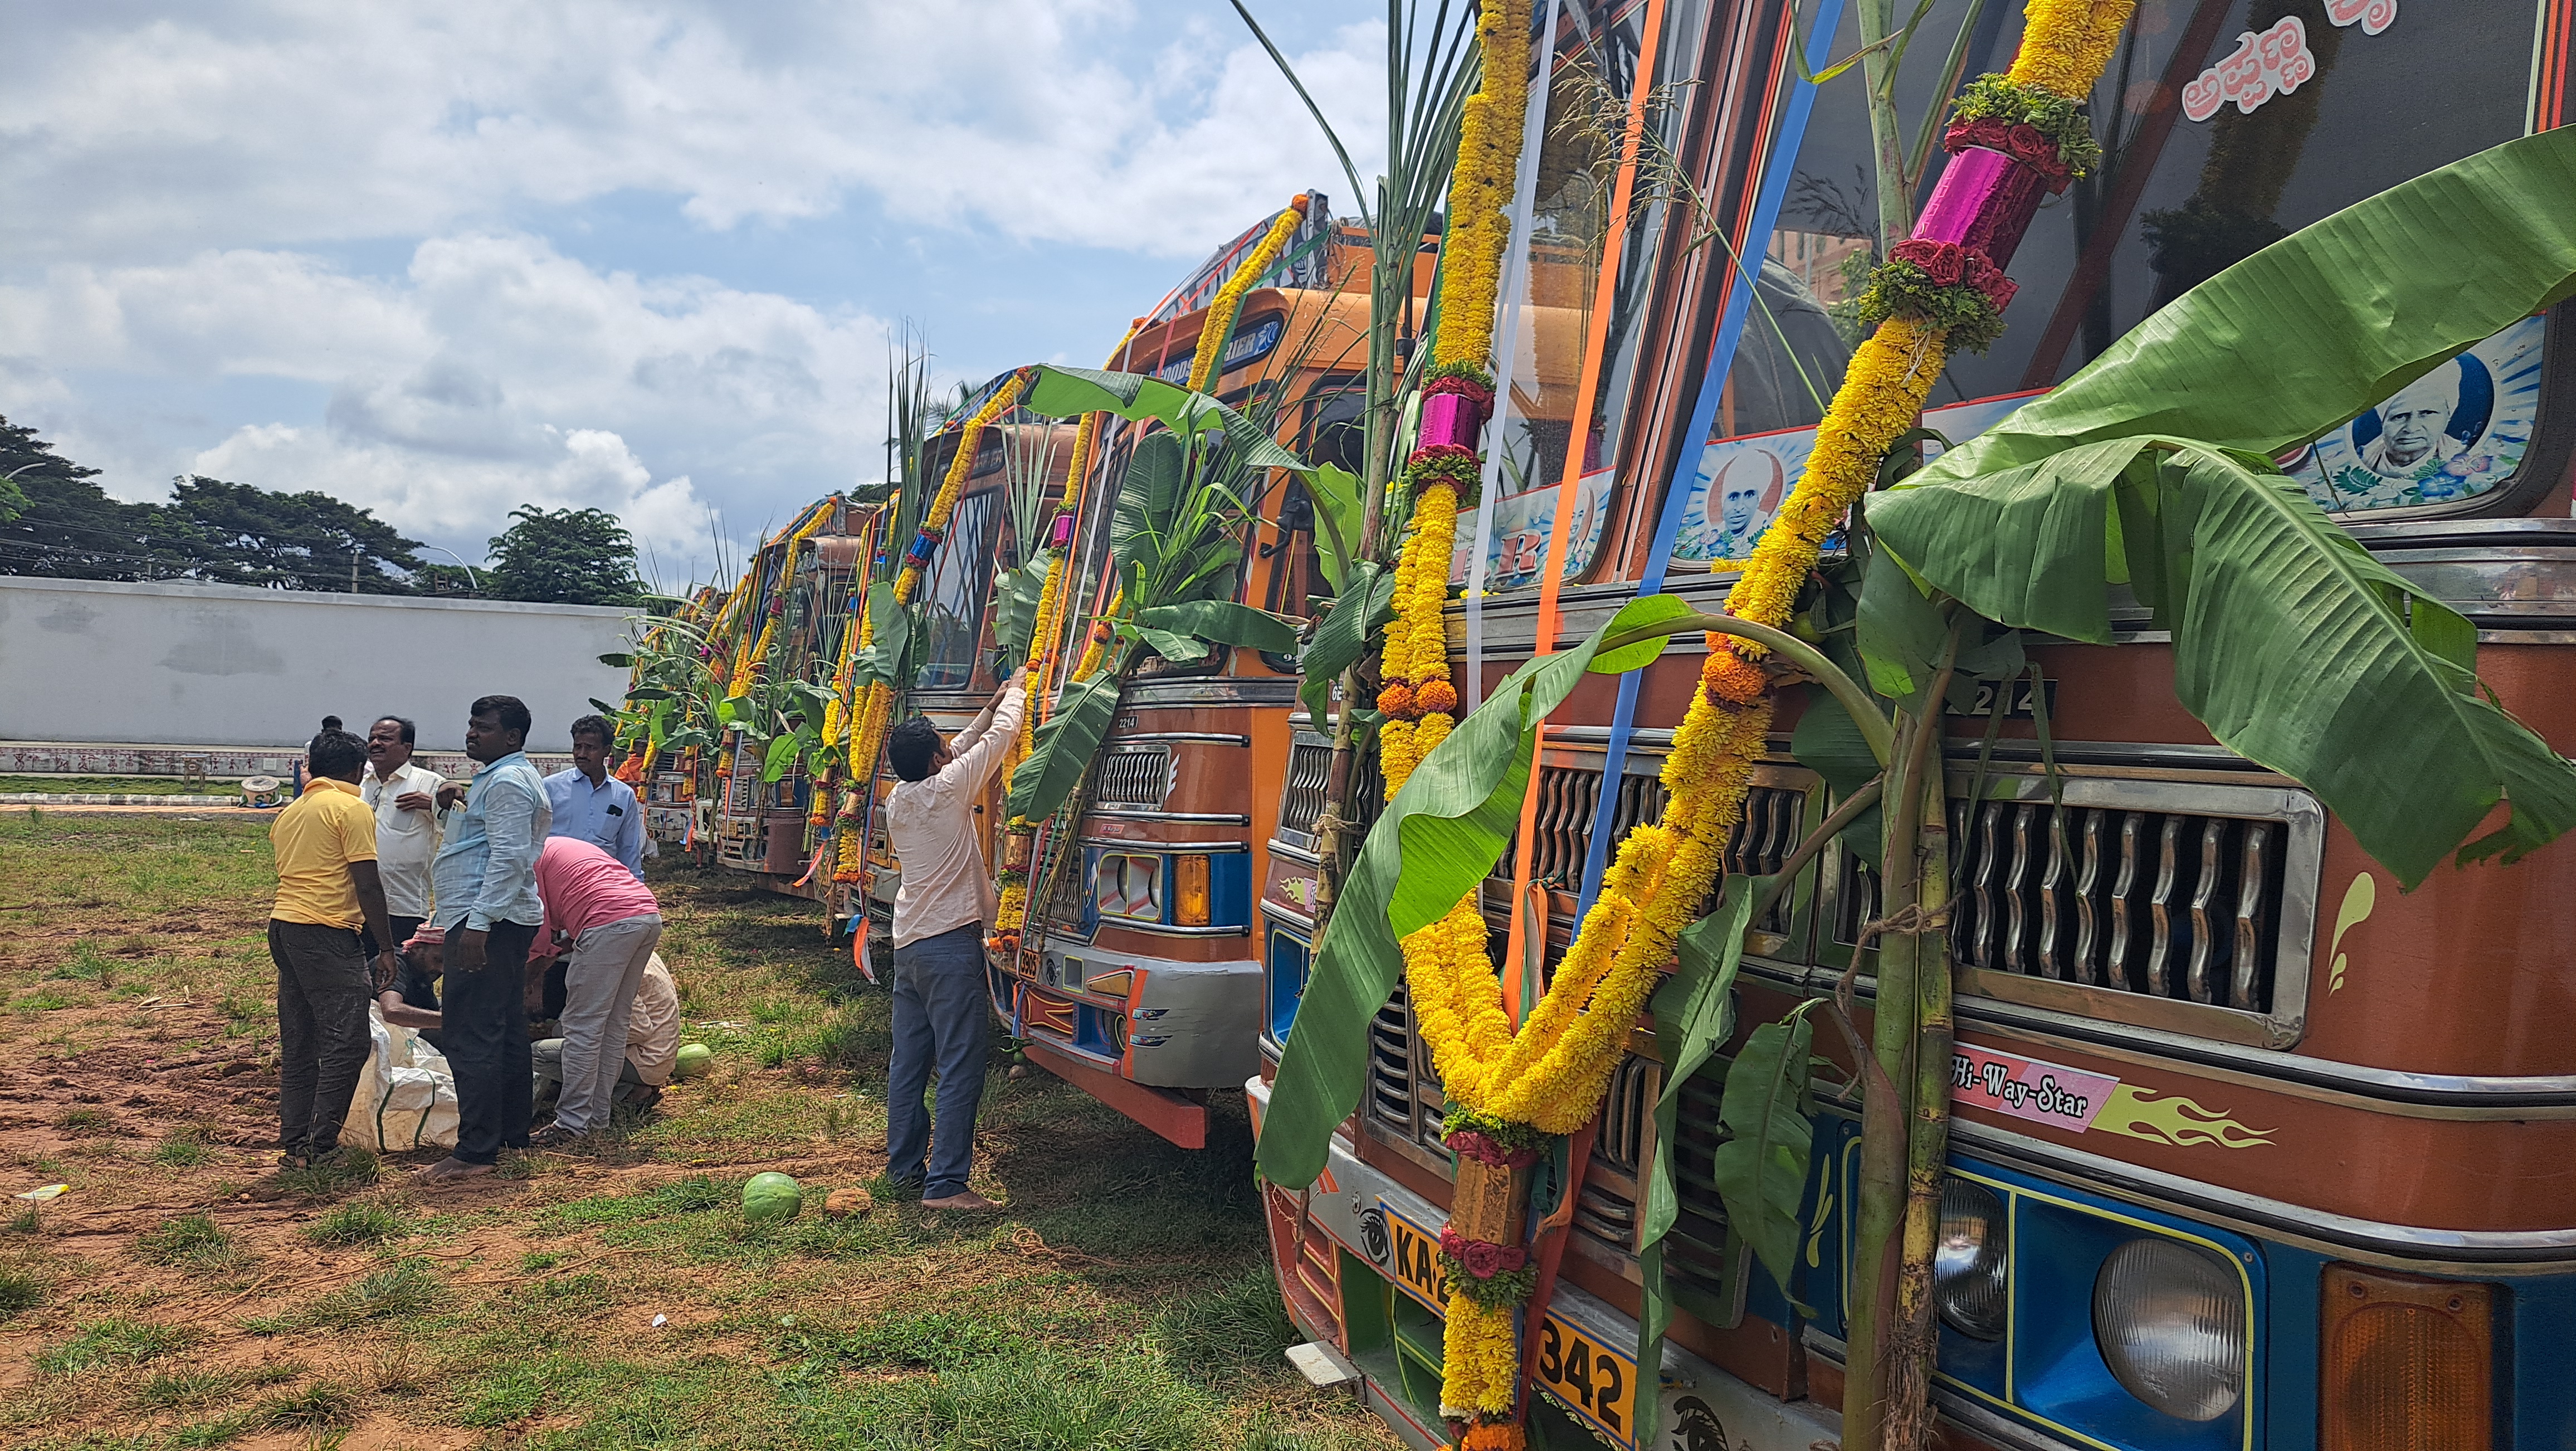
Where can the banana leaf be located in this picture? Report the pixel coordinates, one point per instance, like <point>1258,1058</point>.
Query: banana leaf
<point>2291,643</point>
<point>882,660</point>
<point>1070,392</point>
<point>1223,622</point>
<point>1015,610</point>
<point>1761,1169</point>
<point>2149,468</point>
<point>1336,496</point>
<point>1064,746</point>
<point>1439,837</point>
<point>1343,637</point>
<point>1149,500</point>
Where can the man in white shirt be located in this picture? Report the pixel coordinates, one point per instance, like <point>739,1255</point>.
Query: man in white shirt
<point>404,797</point>
<point>652,1042</point>
<point>940,911</point>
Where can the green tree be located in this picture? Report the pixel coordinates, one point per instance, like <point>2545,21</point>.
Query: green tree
<point>564,556</point>
<point>243,534</point>
<point>55,522</point>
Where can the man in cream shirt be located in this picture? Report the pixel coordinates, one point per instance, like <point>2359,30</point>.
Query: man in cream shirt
<point>404,797</point>
<point>941,1015</point>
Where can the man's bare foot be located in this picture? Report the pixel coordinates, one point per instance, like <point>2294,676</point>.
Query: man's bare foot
<point>967,1200</point>
<point>452,1170</point>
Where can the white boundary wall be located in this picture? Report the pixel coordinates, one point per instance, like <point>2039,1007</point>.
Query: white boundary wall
<point>221,665</point>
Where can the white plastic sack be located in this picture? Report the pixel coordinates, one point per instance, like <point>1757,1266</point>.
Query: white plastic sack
<point>406,1097</point>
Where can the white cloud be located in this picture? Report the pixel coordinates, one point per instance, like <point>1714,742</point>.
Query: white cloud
<point>495,372</point>
<point>286,123</point>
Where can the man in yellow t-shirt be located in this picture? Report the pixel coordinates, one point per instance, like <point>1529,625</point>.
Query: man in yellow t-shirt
<point>327,889</point>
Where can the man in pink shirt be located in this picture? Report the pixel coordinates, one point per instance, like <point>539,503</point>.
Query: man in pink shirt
<point>606,923</point>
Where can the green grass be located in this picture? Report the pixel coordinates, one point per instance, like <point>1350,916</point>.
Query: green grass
<point>112,785</point>
<point>20,1292</point>
<point>192,1241</point>
<point>176,1390</point>
<point>403,1289</point>
<point>927,1340</point>
<point>1230,1326</point>
<point>85,1122</point>
<point>354,1169</point>
<point>182,1148</point>
<point>112,1342</point>
<point>319,1406</point>
<point>357,1224</point>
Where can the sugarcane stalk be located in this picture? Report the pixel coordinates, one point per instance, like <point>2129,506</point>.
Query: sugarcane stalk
<point>1913,1338</point>
<point>1386,363</point>
<point>1907,948</point>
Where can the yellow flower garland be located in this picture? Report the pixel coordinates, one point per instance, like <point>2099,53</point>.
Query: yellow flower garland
<point>1480,191</point>
<point>1220,309</point>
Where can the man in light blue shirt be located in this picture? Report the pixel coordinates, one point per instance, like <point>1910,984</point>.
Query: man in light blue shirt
<point>593,806</point>
<point>485,878</point>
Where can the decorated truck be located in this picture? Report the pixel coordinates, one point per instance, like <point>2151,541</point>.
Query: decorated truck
<point>2146,806</point>
<point>1127,959</point>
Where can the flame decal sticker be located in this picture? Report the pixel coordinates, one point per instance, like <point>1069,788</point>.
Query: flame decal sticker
<point>2143,1113</point>
<point>2358,899</point>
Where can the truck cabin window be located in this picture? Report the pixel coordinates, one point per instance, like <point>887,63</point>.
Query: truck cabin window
<point>954,593</point>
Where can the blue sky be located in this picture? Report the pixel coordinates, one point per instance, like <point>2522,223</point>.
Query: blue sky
<point>445,260</point>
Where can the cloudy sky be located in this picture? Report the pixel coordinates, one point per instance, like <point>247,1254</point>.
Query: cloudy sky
<point>442,260</point>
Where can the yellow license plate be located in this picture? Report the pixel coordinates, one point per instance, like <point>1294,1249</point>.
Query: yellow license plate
<point>1599,1383</point>
<point>1417,1260</point>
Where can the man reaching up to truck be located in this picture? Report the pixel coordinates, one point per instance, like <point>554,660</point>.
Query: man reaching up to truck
<point>940,917</point>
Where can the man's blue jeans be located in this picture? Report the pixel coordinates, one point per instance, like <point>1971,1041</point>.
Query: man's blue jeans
<point>942,1021</point>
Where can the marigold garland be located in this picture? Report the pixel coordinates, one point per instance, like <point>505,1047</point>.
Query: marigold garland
<point>1219,318</point>
<point>1480,191</point>
<point>756,655</point>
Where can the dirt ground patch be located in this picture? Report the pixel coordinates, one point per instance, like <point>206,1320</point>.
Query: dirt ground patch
<point>181,1292</point>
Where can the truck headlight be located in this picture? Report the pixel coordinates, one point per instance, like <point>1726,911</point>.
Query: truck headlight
<point>1971,1261</point>
<point>2170,1320</point>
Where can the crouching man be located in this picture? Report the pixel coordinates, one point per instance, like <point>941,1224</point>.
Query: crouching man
<point>652,1043</point>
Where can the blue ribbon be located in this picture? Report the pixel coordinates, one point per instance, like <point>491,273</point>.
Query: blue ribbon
<point>1721,357</point>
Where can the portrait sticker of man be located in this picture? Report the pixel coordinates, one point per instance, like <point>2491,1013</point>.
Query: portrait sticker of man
<point>2413,427</point>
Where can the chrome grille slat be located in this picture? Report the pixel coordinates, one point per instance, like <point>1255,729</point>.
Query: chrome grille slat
<point>1981,889</point>
<point>1310,765</point>
<point>2160,935</point>
<point>2088,906</point>
<point>1404,1095</point>
<point>2123,889</point>
<point>2253,922</point>
<point>1607,1208</point>
<point>2205,890</point>
<point>2052,893</point>
<point>2016,928</point>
